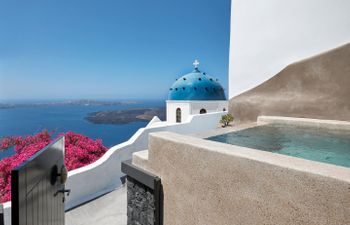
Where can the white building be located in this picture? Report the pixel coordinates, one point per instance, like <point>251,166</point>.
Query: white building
<point>194,93</point>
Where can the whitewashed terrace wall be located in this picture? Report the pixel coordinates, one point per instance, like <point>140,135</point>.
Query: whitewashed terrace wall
<point>104,175</point>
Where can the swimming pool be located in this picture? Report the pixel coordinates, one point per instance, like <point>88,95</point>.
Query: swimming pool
<point>323,145</point>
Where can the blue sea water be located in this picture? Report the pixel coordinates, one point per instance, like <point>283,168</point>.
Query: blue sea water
<point>57,119</point>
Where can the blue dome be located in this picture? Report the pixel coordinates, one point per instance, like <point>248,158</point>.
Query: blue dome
<point>196,86</point>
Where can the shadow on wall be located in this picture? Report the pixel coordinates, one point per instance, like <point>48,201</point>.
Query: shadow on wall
<point>317,87</point>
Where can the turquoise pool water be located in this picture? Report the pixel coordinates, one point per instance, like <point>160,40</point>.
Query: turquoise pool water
<point>323,145</point>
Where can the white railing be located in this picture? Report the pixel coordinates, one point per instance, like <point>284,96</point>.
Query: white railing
<point>104,175</point>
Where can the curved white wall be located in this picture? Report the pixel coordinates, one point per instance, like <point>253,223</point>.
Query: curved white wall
<point>104,175</point>
<point>268,35</point>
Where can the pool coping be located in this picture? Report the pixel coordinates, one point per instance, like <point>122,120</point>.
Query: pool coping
<point>263,120</point>
<point>289,162</point>
<point>301,164</point>
<point>237,174</point>
<point>308,122</point>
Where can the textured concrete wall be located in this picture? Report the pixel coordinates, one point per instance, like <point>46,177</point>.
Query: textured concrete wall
<point>268,35</point>
<point>316,87</point>
<point>208,183</point>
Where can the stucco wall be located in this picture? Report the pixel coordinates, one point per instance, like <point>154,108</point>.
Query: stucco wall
<point>207,182</point>
<point>316,87</point>
<point>268,35</point>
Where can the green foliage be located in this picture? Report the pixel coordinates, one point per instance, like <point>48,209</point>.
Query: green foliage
<point>226,119</point>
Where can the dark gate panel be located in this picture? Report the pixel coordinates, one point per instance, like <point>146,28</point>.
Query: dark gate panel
<point>37,191</point>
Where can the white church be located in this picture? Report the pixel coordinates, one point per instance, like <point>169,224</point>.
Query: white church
<point>194,93</point>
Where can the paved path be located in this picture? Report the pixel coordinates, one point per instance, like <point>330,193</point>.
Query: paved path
<point>110,209</point>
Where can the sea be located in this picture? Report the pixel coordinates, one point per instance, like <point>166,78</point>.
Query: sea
<point>62,118</point>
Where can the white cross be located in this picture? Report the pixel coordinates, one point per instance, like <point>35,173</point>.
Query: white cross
<point>196,63</point>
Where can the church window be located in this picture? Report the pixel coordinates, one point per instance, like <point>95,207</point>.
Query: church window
<point>178,115</point>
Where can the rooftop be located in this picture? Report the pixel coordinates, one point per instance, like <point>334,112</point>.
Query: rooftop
<point>196,85</point>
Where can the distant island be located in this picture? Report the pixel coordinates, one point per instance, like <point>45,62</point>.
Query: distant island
<point>125,116</point>
<point>82,102</point>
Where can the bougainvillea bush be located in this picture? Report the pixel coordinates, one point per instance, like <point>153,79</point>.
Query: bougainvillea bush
<point>79,151</point>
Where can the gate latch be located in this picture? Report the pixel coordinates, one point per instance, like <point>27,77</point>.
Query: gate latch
<point>63,191</point>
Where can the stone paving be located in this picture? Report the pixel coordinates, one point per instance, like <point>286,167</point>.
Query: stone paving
<point>109,209</point>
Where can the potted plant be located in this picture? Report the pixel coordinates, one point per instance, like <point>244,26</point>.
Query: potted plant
<point>226,120</point>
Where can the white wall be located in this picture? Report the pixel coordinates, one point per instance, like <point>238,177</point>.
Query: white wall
<point>209,106</point>
<point>104,175</point>
<point>268,35</point>
<point>192,107</point>
<point>171,107</point>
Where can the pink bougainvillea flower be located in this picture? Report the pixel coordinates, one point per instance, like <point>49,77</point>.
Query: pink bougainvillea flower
<point>79,151</point>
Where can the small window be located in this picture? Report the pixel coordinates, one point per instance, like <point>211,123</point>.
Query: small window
<point>175,89</point>
<point>199,79</point>
<point>204,73</point>
<point>224,109</point>
<point>183,88</point>
<point>203,111</point>
<point>211,79</point>
<point>195,88</point>
<point>184,78</point>
<point>171,89</point>
<point>178,115</point>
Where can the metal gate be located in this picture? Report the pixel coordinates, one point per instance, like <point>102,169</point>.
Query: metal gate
<point>38,188</point>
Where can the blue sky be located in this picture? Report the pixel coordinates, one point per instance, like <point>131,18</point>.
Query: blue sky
<point>108,49</point>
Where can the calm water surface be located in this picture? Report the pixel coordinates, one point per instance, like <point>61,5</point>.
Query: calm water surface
<point>323,145</point>
<point>31,120</point>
